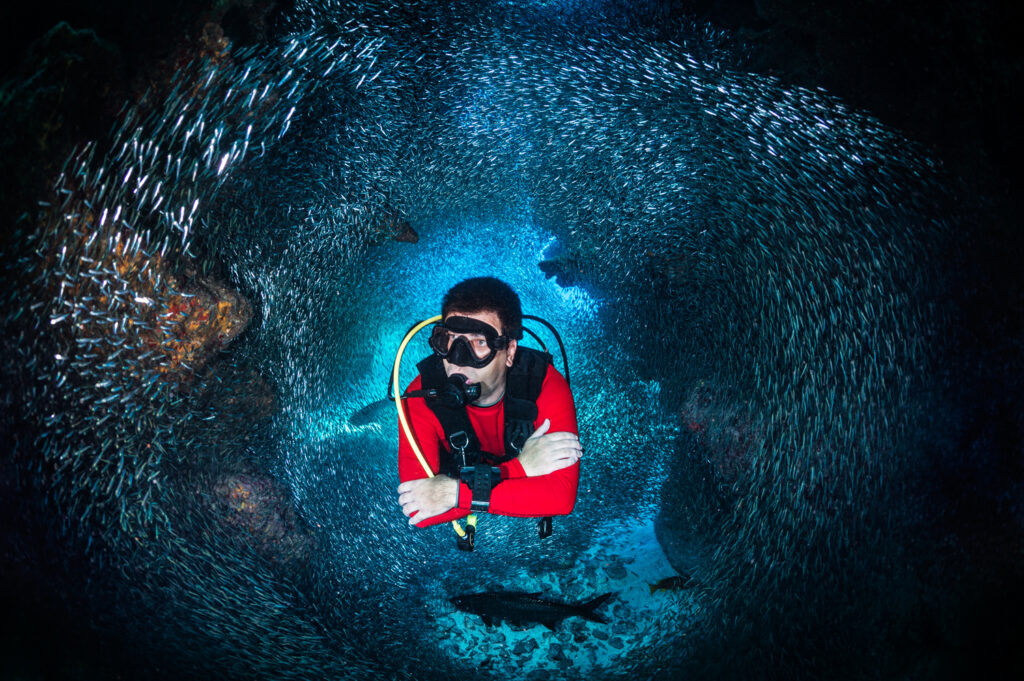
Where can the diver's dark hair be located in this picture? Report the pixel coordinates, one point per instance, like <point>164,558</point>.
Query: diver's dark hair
<point>487,293</point>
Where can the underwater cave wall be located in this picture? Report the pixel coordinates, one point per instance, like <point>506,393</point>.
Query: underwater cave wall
<point>777,263</point>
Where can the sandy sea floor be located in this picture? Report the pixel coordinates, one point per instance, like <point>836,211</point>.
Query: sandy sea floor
<point>624,558</point>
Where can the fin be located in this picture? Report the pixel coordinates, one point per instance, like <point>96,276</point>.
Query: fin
<point>371,413</point>
<point>588,608</point>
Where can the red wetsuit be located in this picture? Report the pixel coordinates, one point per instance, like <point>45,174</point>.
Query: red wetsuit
<point>516,494</point>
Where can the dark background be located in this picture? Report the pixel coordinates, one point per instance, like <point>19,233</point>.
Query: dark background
<point>946,74</point>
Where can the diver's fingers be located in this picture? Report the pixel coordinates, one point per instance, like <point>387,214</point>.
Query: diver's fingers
<point>414,512</point>
<point>541,429</point>
<point>568,457</point>
<point>560,453</point>
<point>405,495</point>
<point>410,485</point>
<point>565,447</point>
<point>562,436</point>
<point>556,460</point>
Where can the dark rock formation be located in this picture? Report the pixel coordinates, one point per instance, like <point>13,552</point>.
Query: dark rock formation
<point>199,318</point>
<point>258,513</point>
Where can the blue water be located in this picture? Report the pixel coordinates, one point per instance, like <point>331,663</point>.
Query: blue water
<point>343,476</point>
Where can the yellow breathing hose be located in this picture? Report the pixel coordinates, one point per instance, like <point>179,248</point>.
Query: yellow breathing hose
<point>404,421</point>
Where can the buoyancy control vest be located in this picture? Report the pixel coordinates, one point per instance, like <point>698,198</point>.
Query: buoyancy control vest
<point>524,381</point>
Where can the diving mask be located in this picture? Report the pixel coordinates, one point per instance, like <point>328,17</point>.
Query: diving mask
<point>466,342</point>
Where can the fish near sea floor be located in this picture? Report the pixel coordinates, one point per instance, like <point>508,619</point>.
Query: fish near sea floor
<point>519,608</point>
<point>671,583</point>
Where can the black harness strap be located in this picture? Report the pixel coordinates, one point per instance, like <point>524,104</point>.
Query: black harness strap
<point>463,444</point>
<point>523,385</point>
<point>465,460</point>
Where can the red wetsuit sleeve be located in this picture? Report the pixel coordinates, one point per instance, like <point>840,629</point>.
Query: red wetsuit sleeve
<point>428,433</point>
<point>543,495</point>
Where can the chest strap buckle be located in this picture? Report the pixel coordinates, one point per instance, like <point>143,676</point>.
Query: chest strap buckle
<point>481,479</point>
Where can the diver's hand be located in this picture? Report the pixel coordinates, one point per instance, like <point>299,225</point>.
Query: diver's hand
<point>546,452</point>
<point>427,497</point>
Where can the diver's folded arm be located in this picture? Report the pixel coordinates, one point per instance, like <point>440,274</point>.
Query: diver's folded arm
<point>545,452</point>
<point>536,497</point>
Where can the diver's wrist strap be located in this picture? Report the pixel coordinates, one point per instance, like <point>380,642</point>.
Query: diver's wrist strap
<point>481,479</point>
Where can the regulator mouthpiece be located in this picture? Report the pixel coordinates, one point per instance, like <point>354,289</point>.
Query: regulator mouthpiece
<point>457,392</point>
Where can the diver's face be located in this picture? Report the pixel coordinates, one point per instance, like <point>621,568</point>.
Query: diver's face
<point>491,377</point>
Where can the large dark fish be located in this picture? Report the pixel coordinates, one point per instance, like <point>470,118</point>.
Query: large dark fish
<point>672,583</point>
<point>374,412</point>
<point>519,608</point>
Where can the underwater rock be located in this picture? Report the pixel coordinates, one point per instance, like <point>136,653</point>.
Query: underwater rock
<point>239,401</point>
<point>258,513</point>
<point>199,318</point>
<point>525,646</point>
<point>885,61</point>
<point>116,299</point>
<point>623,624</point>
<point>564,269</point>
<point>213,45</point>
<point>74,78</point>
<point>68,89</point>
<point>615,570</point>
<point>555,653</point>
<point>247,22</point>
<point>721,428</point>
<point>407,234</point>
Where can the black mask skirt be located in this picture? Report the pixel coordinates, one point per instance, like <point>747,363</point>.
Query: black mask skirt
<point>446,342</point>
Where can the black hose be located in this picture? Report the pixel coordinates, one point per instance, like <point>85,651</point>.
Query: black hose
<point>561,345</point>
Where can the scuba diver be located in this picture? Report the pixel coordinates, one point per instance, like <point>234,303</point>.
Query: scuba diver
<point>494,421</point>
